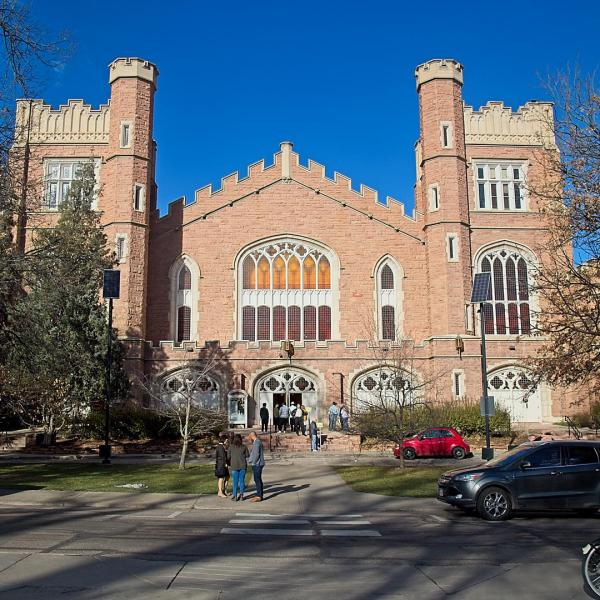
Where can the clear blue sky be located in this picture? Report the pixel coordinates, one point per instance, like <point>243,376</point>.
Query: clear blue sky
<point>334,77</point>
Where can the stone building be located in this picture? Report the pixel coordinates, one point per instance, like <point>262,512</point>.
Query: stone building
<point>283,252</point>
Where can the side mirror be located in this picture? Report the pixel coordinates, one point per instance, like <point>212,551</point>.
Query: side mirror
<point>525,465</point>
<point>420,436</point>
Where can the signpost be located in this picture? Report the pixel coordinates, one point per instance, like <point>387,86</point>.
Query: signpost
<point>479,295</point>
<point>111,287</point>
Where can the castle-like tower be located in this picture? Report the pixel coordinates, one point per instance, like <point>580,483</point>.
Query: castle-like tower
<point>287,253</point>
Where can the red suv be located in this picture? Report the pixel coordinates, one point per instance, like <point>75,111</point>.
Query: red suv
<point>437,441</point>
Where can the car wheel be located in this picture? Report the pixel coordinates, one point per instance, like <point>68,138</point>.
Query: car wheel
<point>458,453</point>
<point>494,504</point>
<point>409,453</point>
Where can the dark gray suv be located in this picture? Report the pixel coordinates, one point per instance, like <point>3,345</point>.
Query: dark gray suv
<point>534,476</point>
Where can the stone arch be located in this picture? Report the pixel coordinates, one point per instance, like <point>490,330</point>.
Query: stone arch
<point>206,389</point>
<point>383,383</point>
<point>515,390</point>
<point>289,384</point>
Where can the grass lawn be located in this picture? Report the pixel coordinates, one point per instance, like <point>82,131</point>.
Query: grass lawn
<point>416,482</point>
<point>197,479</point>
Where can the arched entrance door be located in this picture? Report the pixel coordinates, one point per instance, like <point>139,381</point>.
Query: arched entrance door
<point>288,386</point>
<point>514,390</point>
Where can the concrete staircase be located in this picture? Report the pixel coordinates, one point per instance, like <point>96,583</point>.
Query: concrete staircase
<point>332,442</point>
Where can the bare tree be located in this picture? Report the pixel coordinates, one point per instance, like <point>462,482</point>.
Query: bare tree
<point>567,280</point>
<point>395,399</point>
<point>189,400</point>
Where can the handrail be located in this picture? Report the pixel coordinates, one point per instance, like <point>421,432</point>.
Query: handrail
<point>572,427</point>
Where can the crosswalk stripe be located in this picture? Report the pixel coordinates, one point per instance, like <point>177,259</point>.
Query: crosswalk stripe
<point>298,516</point>
<point>332,522</point>
<point>350,533</point>
<point>258,531</point>
<point>270,521</point>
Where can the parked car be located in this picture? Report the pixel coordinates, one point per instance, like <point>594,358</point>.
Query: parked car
<point>555,475</point>
<point>437,441</point>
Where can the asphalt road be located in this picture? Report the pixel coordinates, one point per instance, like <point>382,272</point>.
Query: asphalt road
<point>341,544</point>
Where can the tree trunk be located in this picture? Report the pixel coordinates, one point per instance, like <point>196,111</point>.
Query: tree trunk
<point>184,449</point>
<point>186,437</point>
<point>49,434</point>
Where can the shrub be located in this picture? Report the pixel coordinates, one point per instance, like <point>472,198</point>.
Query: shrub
<point>463,415</point>
<point>128,421</point>
<point>583,419</point>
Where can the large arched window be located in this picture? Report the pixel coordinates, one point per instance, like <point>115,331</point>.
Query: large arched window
<point>184,277</point>
<point>191,384</point>
<point>287,290</point>
<point>385,386</point>
<point>387,286</point>
<point>508,310</point>
<point>515,390</point>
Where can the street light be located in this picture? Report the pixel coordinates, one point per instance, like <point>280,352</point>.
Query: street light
<point>111,287</point>
<point>479,295</point>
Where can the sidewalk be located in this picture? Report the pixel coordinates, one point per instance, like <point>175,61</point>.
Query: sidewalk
<point>290,487</point>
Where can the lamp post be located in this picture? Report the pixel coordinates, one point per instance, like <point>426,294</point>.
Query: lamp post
<point>479,295</point>
<point>110,289</point>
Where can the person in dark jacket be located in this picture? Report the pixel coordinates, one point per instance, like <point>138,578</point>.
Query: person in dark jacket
<point>264,418</point>
<point>257,460</point>
<point>238,459</point>
<point>221,470</point>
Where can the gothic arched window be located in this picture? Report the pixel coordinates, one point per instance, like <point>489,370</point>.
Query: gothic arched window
<point>287,290</point>
<point>507,311</point>
<point>387,280</point>
<point>184,299</point>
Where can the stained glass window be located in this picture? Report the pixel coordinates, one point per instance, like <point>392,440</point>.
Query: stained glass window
<point>264,323</point>
<point>508,311</point>
<point>278,323</point>
<point>248,323</point>
<point>249,273</point>
<point>310,323</point>
<point>185,279</point>
<point>324,274</point>
<point>387,278</point>
<point>293,277</point>
<point>388,324</point>
<point>324,322</point>
<point>184,317</point>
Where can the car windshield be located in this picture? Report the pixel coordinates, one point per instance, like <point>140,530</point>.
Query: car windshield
<point>510,456</point>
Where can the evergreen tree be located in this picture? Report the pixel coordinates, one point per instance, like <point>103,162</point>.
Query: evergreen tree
<point>56,366</point>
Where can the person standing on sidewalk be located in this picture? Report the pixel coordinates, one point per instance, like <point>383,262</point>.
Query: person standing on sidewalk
<point>264,417</point>
<point>257,460</point>
<point>313,430</point>
<point>221,470</point>
<point>333,416</point>
<point>238,456</point>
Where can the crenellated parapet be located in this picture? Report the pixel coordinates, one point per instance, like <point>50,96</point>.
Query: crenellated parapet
<point>495,124</point>
<point>286,168</point>
<point>72,123</point>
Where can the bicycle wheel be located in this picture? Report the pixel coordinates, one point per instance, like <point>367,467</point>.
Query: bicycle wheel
<point>591,568</point>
